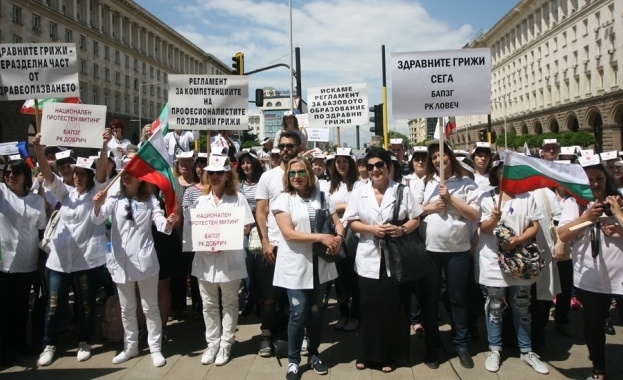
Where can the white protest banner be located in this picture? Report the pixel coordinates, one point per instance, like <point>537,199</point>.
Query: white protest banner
<point>338,106</point>
<point>208,102</point>
<point>29,71</point>
<point>9,148</point>
<point>213,229</point>
<point>303,120</point>
<point>320,134</point>
<point>77,125</point>
<point>441,83</point>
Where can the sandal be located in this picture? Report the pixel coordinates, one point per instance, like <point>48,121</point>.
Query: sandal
<point>388,367</point>
<point>361,364</point>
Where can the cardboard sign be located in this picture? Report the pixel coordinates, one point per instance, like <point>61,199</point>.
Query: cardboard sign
<point>217,102</point>
<point>441,83</point>
<point>320,134</point>
<point>9,148</point>
<point>213,229</point>
<point>79,125</point>
<point>338,106</point>
<point>37,71</point>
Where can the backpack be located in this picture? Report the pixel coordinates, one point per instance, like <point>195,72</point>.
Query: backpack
<point>112,326</point>
<point>49,231</point>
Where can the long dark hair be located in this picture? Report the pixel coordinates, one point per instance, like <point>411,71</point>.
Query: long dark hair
<point>351,176</point>
<point>256,167</point>
<point>23,167</point>
<point>611,185</point>
<point>457,168</point>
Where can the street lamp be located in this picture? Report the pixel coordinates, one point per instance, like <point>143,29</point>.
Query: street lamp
<point>504,102</point>
<point>140,104</point>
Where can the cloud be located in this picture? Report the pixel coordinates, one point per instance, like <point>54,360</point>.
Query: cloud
<point>340,40</point>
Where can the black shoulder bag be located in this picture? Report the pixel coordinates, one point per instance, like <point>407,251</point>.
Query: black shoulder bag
<point>324,225</point>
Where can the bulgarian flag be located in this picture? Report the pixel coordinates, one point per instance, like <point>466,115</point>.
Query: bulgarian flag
<point>28,107</point>
<point>150,165</point>
<point>450,125</point>
<point>162,121</point>
<point>524,173</point>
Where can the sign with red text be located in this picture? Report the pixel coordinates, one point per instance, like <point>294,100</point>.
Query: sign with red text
<point>205,102</point>
<point>338,106</point>
<point>38,71</point>
<point>213,229</point>
<point>77,125</point>
<point>441,83</point>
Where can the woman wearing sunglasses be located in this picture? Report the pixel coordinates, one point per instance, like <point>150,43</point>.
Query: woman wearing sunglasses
<point>385,323</point>
<point>220,272</point>
<point>597,252</point>
<point>22,213</point>
<point>303,275</point>
<point>134,260</point>
<point>76,250</point>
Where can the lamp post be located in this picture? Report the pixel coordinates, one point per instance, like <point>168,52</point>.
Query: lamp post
<point>140,104</point>
<point>504,102</point>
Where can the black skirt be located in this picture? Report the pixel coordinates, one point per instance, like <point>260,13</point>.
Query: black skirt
<point>385,318</point>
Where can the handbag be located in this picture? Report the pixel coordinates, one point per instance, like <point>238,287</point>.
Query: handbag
<point>350,243</point>
<point>49,231</point>
<point>324,225</point>
<point>255,243</point>
<point>407,258</point>
<point>520,262</point>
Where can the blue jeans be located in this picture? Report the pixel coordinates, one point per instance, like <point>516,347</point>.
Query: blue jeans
<point>305,313</point>
<point>497,301</point>
<point>455,265</point>
<point>85,284</point>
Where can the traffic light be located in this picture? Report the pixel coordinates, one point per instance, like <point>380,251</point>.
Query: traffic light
<point>377,119</point>
<point>238,65</point>
<point>483,135</point>
<point>494,137</point>
<point>259,97</point>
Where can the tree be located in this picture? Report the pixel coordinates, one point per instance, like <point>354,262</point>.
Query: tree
<point>249,140</point>
<point>397,135</point>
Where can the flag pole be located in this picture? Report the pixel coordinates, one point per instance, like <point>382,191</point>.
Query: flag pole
<point>113,180</point>
<point>442,135</point>
<point>37,116</point>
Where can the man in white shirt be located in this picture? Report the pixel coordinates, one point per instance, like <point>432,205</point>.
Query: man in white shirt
<point>179,140</point>
<point>269,188</point>
<point>118,143</point>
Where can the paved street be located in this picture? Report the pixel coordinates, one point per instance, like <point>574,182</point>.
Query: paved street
<point>566,357</point>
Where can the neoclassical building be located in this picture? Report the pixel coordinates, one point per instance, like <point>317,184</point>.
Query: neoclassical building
<point>555,68</point>
<point>124,56</point>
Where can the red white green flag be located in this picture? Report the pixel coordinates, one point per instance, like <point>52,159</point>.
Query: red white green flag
<point>524,173</point>
<point>162,121</point>
<point>450,125</point>
<point>150,165</point>
<point>28,107</point>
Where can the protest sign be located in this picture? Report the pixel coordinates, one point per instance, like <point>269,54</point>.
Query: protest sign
<point>9,148</point>
<point>208,102</point>
<point>213,229</point>
<point>441,83</point>
<point>30,71</point>
<point>320,134</point>
<point>77,125</point>
<point>338,106</point>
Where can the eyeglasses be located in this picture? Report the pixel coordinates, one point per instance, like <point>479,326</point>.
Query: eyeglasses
<point>288,146</point>
<point>128,209</point>
<point>300,173</point>
<point>15,172</point>
<point>378,165</point>
<point>210,172</point>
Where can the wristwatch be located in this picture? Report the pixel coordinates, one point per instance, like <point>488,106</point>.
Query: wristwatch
<point>404,230</point>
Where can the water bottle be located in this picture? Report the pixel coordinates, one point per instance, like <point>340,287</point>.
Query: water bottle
<point>108,248</point>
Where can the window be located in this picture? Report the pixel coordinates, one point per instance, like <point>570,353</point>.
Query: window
<point>117,56</point>
<point>83,42</point>
<point>83,66</point>
<point>135,64</point>
<point>106,98</point>
<point>116,108</point>
<point>36,22</point>
<point>96,48</point>
<point>17,39</point>
<point>158,74</point>
<point>127,81</point>
<point>94,96</point>
<point>96,71</point>
<point>106,52</point>
<point>17,15</point>
<point>127,61</point>
<point>144,68</point>
<point>614,74</point>
<point>117,78</point>
<point>53,30</point>
<point>107,74</point>
<point>127,104</point>
<point>69,35</point>
<point>151,71</point>
<point>136,84</point>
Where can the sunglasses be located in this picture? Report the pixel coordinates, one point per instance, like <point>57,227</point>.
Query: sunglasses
<point>300,173</point>
<point>378,165</point>
<point>210,172</point>
<point>128,209</point>
<point>14,172</point>
<point>419,158</point>
<point>288,146</point>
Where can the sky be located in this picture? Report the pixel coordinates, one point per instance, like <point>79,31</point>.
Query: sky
<point>340,40</point>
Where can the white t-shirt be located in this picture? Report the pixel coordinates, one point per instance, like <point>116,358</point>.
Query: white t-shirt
<point>604,274</point>
<point>516,214</point>
<point>269,188</point>
<point>341,194</point>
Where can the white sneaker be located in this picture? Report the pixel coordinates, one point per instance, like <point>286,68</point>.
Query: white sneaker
<point>533,361</point>
<point>492,364</point>
<point>209,355</point>
<point>47,356</point>
<point>157,359</point>
<point>84,351</point>
<point>223,356</point>
<point>304,351</point>
<point>124,356</point>
<point>293,372</point>
<point>341,322</point>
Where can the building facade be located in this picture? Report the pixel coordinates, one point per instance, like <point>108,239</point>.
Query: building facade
<point>276,102</point>
<point>124,56</point>
<point>555,68</point>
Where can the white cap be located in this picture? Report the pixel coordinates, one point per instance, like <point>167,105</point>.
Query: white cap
<point>317,156</point>
<point>586,161</point>
<point>549,141</point>
<point>607,156</point>
<point>343,152</point>
<point>63,154</point>
<point>83,162</point>
<point>562,161</point>
<point>202,155</point>
<point>482,144</point>
<point>265,140</point>
<point>568,151</point>
<point>586,152</point>
<point>15,157</point>
<point>189,154</point>
<point>420,149</point>
<point>288,113</point>
<point>216,163</point>
<point>395,141</point>
<point>467,167</point>
<point>275,151</point>
<point>330,157</point>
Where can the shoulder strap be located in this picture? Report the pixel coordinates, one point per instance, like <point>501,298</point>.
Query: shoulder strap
<point>398,195</point>
<point>322,202</point>
<point>545,198</point>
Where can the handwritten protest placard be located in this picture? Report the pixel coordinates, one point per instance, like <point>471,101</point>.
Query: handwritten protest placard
<point>213,229</point>
<point>338,106</point>
<point>30,71</point>
<point>208,102</point>
<point>9,148</point>
<point>78,125</point>
<point>320,134</point>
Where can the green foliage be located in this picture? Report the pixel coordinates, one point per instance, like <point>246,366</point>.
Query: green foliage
<point>397,135</point>
<point>582,138</point>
